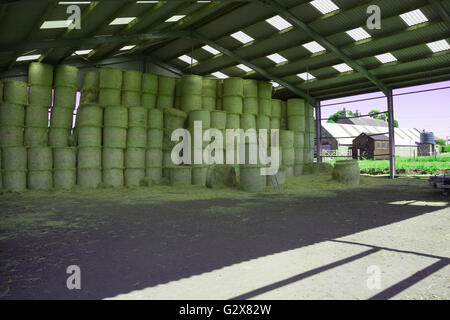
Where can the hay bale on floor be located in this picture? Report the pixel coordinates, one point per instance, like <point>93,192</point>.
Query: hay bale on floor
<point>347,172</point>
<point>251,179</point>
<point>221,176</point>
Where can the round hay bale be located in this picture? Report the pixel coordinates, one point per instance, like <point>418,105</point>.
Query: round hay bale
<point>286,139</point>
<point>14,180</point>
<point>89,115</point>
<point>221,176</point>
<point>40,158</point>
<point>115,116</point>
<point>35,136</point>
<point>40,95</point>
<point>131,98</point>
<point>295,107</point>
<point>61,118</point>
<point>58,137</point>
<point>150,83</point>
<point>218,120</point>
<point>209,87</point>
<point>164,101</point>
<point>113,158</point>
<point>250,88</point>
<point>64,158</point>
<point>153,158</point>
<point>15,92</point>
<point>148,100</point>
<point>64,179</point>
<point>40,180</point>
<point>347,172</point>
<point>288,156</point>
<point>251,179</point>
<point>36,116</point>
<point>14,158</point>
<point>276,108</point>
<point>113,177</point>
<point>115,137</point>
<point>191,85</point>
<point>248,121</point>
<point>262,122</point>
<point>155,174</point>
<point>174,119</point>
<point>167,158</point>
<point>308,156</point>
<point>250,105</point>
<point>155,119</point>
<point>89,96</point>
<point>135,158</point>
<point>91,80</point>
<point>233,121</point>
<point>180,175</point>
<point>89,178</point>
<point>110,78</point>
<point>155,138</point>
<point>108,97</point>
<point>191,102</point>
<point>137,117</point>
<point>200,115</point>
<point>275,123</point>
<point>12,114</point>
<point>11,136</point>
<point>131,80</point>
<point>89,157</point>
<point>209,103</point>
<point>265,107</point>
<point>134,177</point>
<point>199,174</point>
<point>40,73</point>
<point>233,86</point>
<point>298,170</point>
<point>166,86</point>
<point>296,123</point>
<point>137,137</point>
<point>233,104</point>
<point>89,136</point>
<point>66,75</point>
<point>299,140</point>
<point>65,97</point>
<point>264,90</point>
<point>299,155</point>
<point>290,171</point>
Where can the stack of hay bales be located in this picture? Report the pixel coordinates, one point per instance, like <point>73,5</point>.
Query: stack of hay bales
<point>191,93</point>
<point>250,104</point>
<point>149,90</point>
<point>264,99</point>
<point>64,167</point>
<point>275,120</point>
<point>283,120</point>
<point>131,88</point>
<point>173,119</point>
<point>199,171</point>
<point>40,168</point>
<point>166,92</point>
<point>219,95</point>
<point>233,105</point>
<point>14,168</point>
<point>287,151</point>
<point>209,94</point>
<point>90,88</point>
<point>296,113</point>
<point>110,84</point>
<point>154,153</point>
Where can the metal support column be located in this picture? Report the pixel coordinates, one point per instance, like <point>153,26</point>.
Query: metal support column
<point>391,134</point>
<point>318,132</point>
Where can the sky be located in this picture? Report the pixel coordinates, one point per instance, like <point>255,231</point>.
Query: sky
<point>426,110</point>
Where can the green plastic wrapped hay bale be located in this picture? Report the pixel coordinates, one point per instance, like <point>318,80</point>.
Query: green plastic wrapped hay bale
<point>209,87</point>
<point>115,137</point>
<point>89,178</point>
<point>155,174</point>
<point>137,117</point>
<point>40,158</point>
<point>199,174</point>
<point>64,158</point>
<point>61,117</point>
<point>11,136</point>
<point>250,88</point>
<point>150,83</point>
<point>15,92</point>
<point>35,136</point>
<point>200,115</point>
<point>115,116</point>
<point>347,172</point>
<point>59,137</point>
<point>233,86</point>
<point>155,119</point>
<point>131,98</point>
<point>250,105</point>
<point>264,90</point>
<point>275,123</point>
<point>299,140</point>
<point>89,157</point>
<point>221,176</point>
<point>167,158</point>
<point>233,121</point>
<point>153,157</point>
<point>248,121</point>
<point>262,122</point>
<point>40,180</point>
<point>148,100</point>
<point>91,80</point>
<point>191,84</point>
<point>66,75</point>
<point>64,179</point>
<point>135,158</point>
<point>218,120</point>
<point>298,170</point>
<point>299,155</point>
<point>113,177</point>
<point>286,139</point>
<point>110,78</point>
<point>288,156</point>
<point>137,137</point>
<point>132,80</point>
<point>40,73</point>
<point>190,102</point>
<point>166,86</point>
<point>164,101</point>
<point>14,158</point>
<point>276,108</point>
<point>308,156</point>
<point>265,107</point>
<point>36,116</point>
<point>109,97</point>
<point>180,175</point>
<point>251,179</point>
<point>174,119</point>
<point>155,138</point>
<point>89,115</point>
<point>209,103</point>
<point>134,177</point>
<point>89,96</point>
<point>40,95</point>
<point>14,180</point>
<point>12,114</point>
<point>295,107</point>
<point>65,97</point>
<point>233,104</point>
<point>89,136</point>
<point>113,158</point>
<point>296,123</point>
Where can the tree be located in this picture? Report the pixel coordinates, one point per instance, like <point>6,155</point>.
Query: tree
<point>376,115</point>
<point>338,115</point>
<point>440,142</point>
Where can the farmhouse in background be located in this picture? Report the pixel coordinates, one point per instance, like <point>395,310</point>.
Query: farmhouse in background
<point>369,146</point>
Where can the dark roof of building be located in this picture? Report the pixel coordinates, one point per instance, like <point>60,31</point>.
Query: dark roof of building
<point>377,137</point>
<point>363,122</point>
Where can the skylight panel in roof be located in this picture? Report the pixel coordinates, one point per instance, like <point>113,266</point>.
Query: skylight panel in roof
<point>279,23</point>
<point>306,76</point>
<point>244,67</point>
<point>343,67</point>
<point>313,47</point>
<point>386,57</point>
<point>275,84</point>
<point>242,37</point>
<point>359,34</point>
<point>28,57</point>
<point>438,46</point>
<point>175,18</point>
<point>82,52</point>
<point>127,47</point>
<point>211,50</point>
<point>324,6</point>
<point>187,59</point>
<point>414,17</point>
<point>277,58</point>
<point>219,75</point>
<point>124,20</point>
<point>56,24</point>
